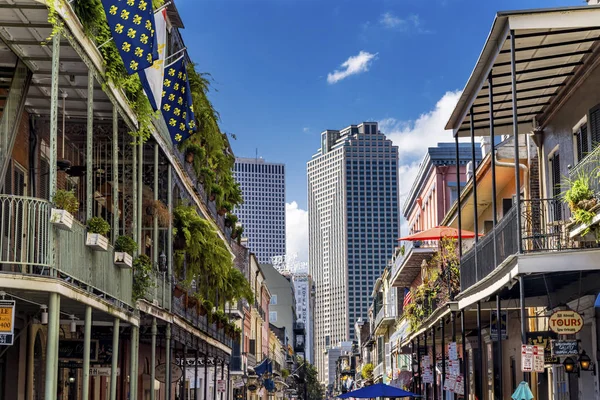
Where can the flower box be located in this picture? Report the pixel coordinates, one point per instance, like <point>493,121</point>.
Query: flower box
<point>62,219</point>
<point>123,259</point>
<point>97,242</point>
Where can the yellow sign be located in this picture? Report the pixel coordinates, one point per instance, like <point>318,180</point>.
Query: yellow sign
<point>566,322</point>
<point>6,319</point>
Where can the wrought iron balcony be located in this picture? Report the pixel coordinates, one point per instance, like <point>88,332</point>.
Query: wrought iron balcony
<point>385,316</point>
<point>543,229</point>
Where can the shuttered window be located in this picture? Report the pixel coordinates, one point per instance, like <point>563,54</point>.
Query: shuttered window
<point>582,140</point>
<point>594,126</point>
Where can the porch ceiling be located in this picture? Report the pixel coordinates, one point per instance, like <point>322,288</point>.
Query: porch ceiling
<point>411,266</point>
<point>553,49</point>
<point>24,28</point>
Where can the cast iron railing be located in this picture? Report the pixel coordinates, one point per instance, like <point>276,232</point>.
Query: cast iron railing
<point>588,166</point>
<point>543,228</point>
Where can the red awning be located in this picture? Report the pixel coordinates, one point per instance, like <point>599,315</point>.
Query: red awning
<point>438,233</point>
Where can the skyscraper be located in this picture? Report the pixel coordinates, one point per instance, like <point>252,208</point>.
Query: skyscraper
<point>263,212</point>
<point>353,227</point>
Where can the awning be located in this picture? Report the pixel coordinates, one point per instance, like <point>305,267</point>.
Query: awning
<point>553,48</point>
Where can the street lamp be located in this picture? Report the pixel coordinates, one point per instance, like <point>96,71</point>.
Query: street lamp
<point>415,366</point>
<point>585,363</point>
<point>569,365</point>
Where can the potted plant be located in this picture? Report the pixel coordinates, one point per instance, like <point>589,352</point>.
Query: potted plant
<point>125,246</point>
<point>97,229</point>
<point>236,233</point>
<point>237,333</point>
<point>220,319</point>
<point>142,276</point>
<point>206,175</point>
<point>583,204</point>
<point>224,208</point>
<point>66,204</point>
<point>205,307</point>
<point>178,291</point>
<point>216,191</point>
<point>230,220</point>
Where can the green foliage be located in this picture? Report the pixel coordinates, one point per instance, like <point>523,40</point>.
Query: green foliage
<point>578,191</point>
<point>367,372</point>
<point>143,274</point>
<point>66,200</point>
<point>230,219</point>
<point>98,225</point>
<point>126,244</point>
<point>285,373</point>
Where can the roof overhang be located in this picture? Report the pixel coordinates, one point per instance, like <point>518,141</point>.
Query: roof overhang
<point>553,50</point>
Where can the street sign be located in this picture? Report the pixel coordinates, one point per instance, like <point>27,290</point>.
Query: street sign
<point>494,325</point>
<point>452,351</point>
<point>566,322</point>
<point>7,322</point>
<point>564,348</point>
<point>221,386</point>
<point>532,358</point>
<point>459,386</point>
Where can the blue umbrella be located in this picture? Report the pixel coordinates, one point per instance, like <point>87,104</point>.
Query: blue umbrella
<point>378,390</point>
<point>523,392</point>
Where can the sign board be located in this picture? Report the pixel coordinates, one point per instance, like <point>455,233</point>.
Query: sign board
<point>543,340</point>
<point>566,322</point>
<point>72,350</point>
<point>459,385</point>
<point>452,351</point>
<point>7,322</point>
<point>532,358</point>
<point>427,371</point>
<point>449,382</point>
<point>564,348</point>
<point>494,325</point>
<point>161,373</point>
<point>221,386</point>
<point>102,371</point>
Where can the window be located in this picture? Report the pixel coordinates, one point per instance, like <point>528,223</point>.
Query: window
<point>581,142</point>
<point>594,122</point>
<point>555,177</point>
<point>272,316</point>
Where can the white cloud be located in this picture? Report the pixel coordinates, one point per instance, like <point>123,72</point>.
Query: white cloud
<point>414,137</point>
<point>353,65</point>
<point>296,231</point>
<point>389,20</point>
<point>410,23</point>
<point>305,129</point>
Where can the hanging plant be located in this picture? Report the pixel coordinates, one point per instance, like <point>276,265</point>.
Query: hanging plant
<point>216,192</point>
<point>143,278</point>
<point>160,210</point>
<point>230,220</point>
<point>582,202</point>
<point>98,225</point>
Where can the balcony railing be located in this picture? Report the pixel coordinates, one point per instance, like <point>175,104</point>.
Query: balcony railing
<point>387,312</point>
<point>199,321</point>
<point>588,166</point>
<point>24,243</point>
<point>160,294</point>
<point>378,371</point>
<point>543,228</point>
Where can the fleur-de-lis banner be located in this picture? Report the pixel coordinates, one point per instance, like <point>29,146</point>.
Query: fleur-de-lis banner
<point>132,25</point>
<point>177,107</point>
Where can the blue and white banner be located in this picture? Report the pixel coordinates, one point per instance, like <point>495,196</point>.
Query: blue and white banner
<point>177,107</point>
<point>152,77</point>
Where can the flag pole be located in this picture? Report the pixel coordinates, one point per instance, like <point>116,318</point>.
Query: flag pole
<point>176,53</point>
<point>168,3</point>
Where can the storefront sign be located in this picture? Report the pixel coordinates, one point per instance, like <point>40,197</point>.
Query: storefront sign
<point>564,348</point>
<point>72,350</point>
<point>543,339</point>
<point>566,322</point>
<point>161,373</point>
<point>532,358</point>
<point>103,371</point>
<point>494,325</point>
<point>7,322</point>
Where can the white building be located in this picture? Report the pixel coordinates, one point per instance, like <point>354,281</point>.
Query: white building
<point>353,227</point>
<point>263,213</point>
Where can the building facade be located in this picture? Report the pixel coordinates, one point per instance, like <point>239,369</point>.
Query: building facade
<point>282,305</point>
<point>353,226</point>
<point>263,211</point>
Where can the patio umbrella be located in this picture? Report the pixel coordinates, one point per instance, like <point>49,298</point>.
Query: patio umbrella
<point>522,393</point>
<point>378,390</point>
<point>438,233</point>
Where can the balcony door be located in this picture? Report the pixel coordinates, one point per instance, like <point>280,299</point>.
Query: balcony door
<point>14,212</point>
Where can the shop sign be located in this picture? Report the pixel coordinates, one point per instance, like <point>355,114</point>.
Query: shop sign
<point>102,371</point>
<point>160,373</point>
<point>221,386</point>
<point>72,350</point>
<point>532,358</point>
<point>7,322</point>
<point>543,340</point>
<point>564,348</point>
<point>494,325</point>
<point>566,322</point>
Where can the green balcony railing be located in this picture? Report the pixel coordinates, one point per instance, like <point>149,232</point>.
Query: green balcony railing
<point>24,249</point>
<point>160,293</point>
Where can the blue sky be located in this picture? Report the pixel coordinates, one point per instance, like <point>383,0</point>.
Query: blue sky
<point>274,66</point>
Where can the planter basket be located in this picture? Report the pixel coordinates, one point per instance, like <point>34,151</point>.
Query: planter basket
<point>97,242</point>
<point>178,291</point>
<point>61,219</point>
<point>123,259</point>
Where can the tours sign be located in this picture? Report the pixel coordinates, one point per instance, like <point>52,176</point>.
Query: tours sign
<point>7,322</point>
<point>566,322</point>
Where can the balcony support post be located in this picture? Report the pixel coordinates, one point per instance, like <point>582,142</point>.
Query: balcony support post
<point>140,185</point>
<point>168,361</point>
<point>458,205</point>
<point>443,333</point>
<point>434,362</point>
<point>222,374</point>
<point>465,360</point>
<point>115,358</point>
<point>206,374</point>
<point>155,241</point>
<point>115,174</point>
<point>53,144</point>
<point>523,315</point>
<point>89,154</point>
<point>473,160</point>
<point>215,364</point>
<point>228,381</point>
<point>479,387</point>
<point>453,322</point>
<point>133,373</point>
<point>134,196</point>
<point>196,374</point>
<point>515,121</point>
<point>499,345</point>
<point>420,391</point>
<point>493,161</point>
<point>427,354</point>
<point>87,336</point>
<point>183,394</point>
<point>169,235</point>
<point>52,340</point>
<point>153,360</point>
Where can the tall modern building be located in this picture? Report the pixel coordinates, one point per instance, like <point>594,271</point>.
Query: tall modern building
<point>263,211</point>
<point>353,227</point>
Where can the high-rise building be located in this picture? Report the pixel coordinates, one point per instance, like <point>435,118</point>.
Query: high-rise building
<point>353,227</point>
<point>263,212</point>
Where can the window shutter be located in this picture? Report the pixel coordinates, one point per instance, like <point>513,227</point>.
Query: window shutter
<point>594,123</point>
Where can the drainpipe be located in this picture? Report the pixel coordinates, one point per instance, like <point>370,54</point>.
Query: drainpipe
<point>524,167</point>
